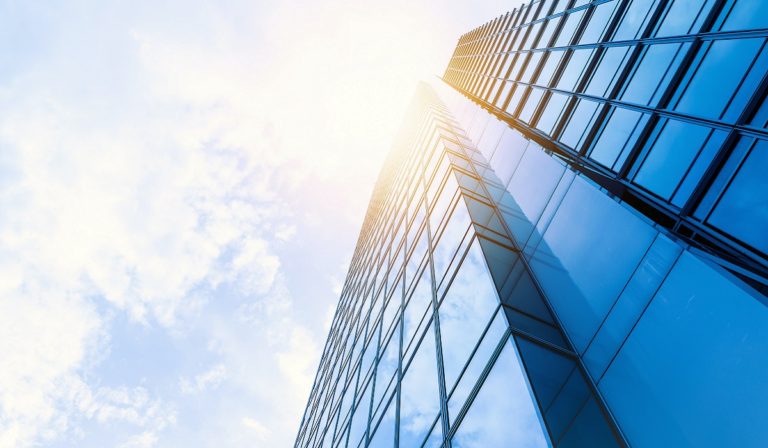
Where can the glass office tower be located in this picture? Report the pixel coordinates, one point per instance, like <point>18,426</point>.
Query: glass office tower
<point>568,243</point>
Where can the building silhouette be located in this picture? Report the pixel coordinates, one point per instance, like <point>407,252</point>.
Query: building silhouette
<point>567,245</point>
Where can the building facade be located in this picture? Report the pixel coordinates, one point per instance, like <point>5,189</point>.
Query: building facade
<point>568,244</point>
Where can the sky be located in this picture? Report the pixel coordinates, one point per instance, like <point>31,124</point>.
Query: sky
<point>182,184</point>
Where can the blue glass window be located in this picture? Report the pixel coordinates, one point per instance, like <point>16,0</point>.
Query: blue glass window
<point>598,22</point>
<point>743,209</point>
<point>384,437</point>
<point>635,19</point>
<point>653,73</point>
<point>566,33</point>
<point>549,67</point>
<point>607,71</point>
<point>670,156</point>
<point>508,154</point>
<point>549,117</point>
<point>572,73</point>
<point>586,256</point>
<point>460,392</point>
<point>465,311</point>
<point>531,103</point>
<point>718,76</point>
<point>684,17</point>
<point>581,119</point>
<point>420,400</point>
<point>531,188</point>
<point>746,15</point>
<point>416,309</point>
<point>692,372</point>
<point>618,137</point>
<point>503,412</point>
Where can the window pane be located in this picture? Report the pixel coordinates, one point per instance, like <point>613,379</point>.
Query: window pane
<point>581,120</point>
<point>652,74</point>
<point>586,256</point>
<point>671,155</point>
<point>465,311</point>
<point>420,400</point>
<point>551,113</point>
<point>747,14</point>
<point>634,20</point>
<point>684,17</point>
<point>479,360</point>
<point>663,384</point>
<point>718,76</point>
<point>743,210</point>
<point>503,413</point>
<point>598,23</point>
<point>618,137</point>
<point>605,75</point>
<point>573,70</point>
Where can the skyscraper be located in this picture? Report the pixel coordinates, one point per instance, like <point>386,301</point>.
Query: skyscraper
<point>568,243</point>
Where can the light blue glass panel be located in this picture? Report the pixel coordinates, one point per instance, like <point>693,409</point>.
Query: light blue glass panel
<point>464,312</point>
<point>503,414</point>
<point>747,14</point>
<point>581,120</point>
<point>598,23</point>
<point>566,33</point>
<point>531,103</point>
<point>384,437</point>
<point>692,373</point>
<point>743,209</point>
<point>508,154</point>
<point>531,187</point>
<point>420,400</point>
<point>450,239</point>
<point>586,257</point>
<point>479,360</point>
<point>387,365</point>
<point>360,419</point>
<point>574,69</point>
<point>551,113</point>
<point>639,291</point>
<point>718,76</point>
<point>420,300</point>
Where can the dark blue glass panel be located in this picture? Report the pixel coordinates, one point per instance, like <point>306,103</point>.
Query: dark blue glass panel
<point>636,295</point>
<point>684,17</point>
<point>747,14</point>
<point>420,400</point>
<point>743,210</point>
<point>671,155</point>
<point>465,311</point>
<point>718,76</point>
<point>692,373</point>
<point>618,137</point>
<point>503,412</point>
<point>652,73</point>
<point>586,256</point>
<point>635,19</point>
<point>607,71</point>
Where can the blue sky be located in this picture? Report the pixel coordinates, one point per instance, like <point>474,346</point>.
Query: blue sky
<point>182,183</point>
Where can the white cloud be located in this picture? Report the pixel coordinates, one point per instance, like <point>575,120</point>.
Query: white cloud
<point>205,381</point>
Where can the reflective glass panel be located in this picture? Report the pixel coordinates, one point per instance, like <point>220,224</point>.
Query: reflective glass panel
<point>692,373</point>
